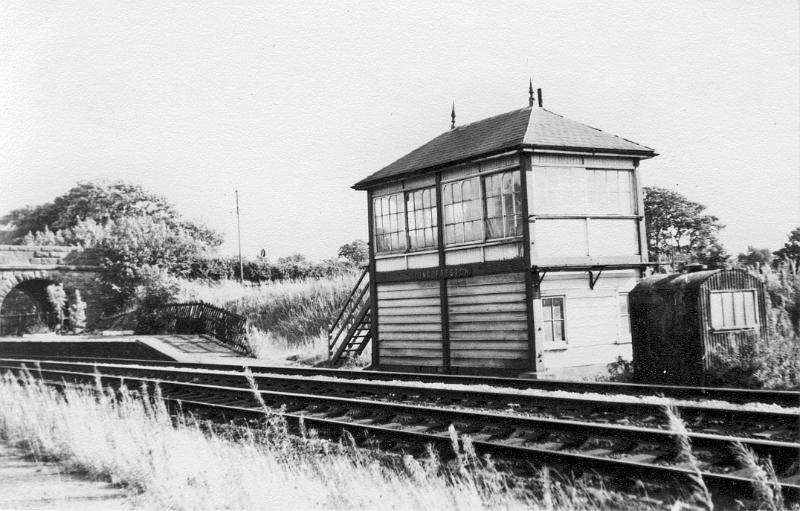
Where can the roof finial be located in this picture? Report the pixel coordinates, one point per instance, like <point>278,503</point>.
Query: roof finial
<point>530,92</point>
<point>453,116</point>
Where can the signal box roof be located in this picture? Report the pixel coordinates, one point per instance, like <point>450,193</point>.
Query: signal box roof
<point>530,127</point>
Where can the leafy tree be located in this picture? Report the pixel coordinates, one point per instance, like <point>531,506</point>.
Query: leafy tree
<point>99,201</point>
<point>755,257</point>
<point>679,232</point>
<point>137,248</point>
<point>791,249</point>
<point>356,252</point>
<point>77,313</point>
<point>58,299</point>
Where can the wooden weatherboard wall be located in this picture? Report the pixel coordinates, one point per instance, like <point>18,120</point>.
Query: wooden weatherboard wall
<point>459,308</point>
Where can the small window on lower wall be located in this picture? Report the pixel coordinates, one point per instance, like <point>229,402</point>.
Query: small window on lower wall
<point>553,319</point>
<point>733,309</point>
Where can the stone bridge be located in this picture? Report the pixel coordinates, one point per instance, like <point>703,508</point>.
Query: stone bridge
<point>26,271</point>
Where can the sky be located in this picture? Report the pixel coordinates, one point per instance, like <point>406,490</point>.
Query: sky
<point>291,103</point>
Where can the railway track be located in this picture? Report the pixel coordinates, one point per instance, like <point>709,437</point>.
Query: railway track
<point>730,395</point>
<point>702,418</point>
<point>380,413</point>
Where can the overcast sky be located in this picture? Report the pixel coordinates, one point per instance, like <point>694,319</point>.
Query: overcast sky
<point>293,103</point>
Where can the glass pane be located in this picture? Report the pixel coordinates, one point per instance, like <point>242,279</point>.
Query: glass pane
<point>727,309</point>
<point>456,192</point>
<point>426,198</point>
<point>558,330</point>
<point>447,194</point>
<point>716,310</point>
<point>494,228</point>
<point>450,234</point>
<point>558,308</point>
<point>750,308</point>
<point>494,207</point>
<point>738,309</point>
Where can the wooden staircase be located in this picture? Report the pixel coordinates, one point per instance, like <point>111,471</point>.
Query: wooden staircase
<point>351,332</point>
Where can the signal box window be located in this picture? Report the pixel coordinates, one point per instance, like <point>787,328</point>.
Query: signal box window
<point>503,205</point>
<point>553,314</point>
<point>421,208</point>
<point>390,223</point>
<point>463,218</point>
<point>733,309</point>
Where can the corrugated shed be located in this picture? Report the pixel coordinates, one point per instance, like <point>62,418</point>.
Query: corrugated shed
<point>526,127</point>
<point>671,328</point>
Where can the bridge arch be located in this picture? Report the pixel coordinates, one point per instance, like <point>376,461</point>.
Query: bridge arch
<point>26,271</point>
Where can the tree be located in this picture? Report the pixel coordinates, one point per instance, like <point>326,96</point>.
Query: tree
<point>137,248</point>
<point>791,249</point>
<point>58,299</point>
<point>77,313</point>
<point>99,201</point>
<point>356,252</point>
<point>679,232</point>
<point>755,257</point>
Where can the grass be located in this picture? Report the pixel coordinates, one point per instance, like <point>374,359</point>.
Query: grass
<point>178,464</point>
<point>287,319</point>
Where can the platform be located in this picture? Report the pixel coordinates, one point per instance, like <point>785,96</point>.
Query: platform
<point>29,484</point>
<point>167,347</point>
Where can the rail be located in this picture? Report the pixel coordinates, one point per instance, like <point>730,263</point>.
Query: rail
<point>198,318</point>
<point>616,452</point>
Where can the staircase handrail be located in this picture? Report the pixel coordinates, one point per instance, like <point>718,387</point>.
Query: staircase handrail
<point>347,302</point>
<point>350,315</point>
<point>363,311</point>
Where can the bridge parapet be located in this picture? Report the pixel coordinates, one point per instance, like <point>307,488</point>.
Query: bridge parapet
<point>22,255</point>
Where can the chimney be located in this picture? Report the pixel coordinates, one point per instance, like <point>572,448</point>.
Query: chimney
<point>539,93</point>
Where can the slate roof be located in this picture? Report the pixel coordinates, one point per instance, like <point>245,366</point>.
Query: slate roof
<point>527,127</point>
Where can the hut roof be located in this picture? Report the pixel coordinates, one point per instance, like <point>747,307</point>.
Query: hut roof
<point>673,281</point>
<point>529,127</point>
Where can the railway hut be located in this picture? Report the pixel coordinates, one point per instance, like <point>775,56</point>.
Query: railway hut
<point>682,322</point>
<point>506,246</point>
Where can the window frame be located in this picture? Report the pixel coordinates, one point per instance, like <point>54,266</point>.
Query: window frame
<point>434,220</point>
<point>624,317</point>
<point>480,178</point>
<point>560,343</point>
<point>404,231</point>
<point>500,197</point>
<point>746,326</point>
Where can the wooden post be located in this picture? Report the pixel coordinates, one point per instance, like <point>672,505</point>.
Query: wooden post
<point>373,287</point>
<point>530,293</point>
<point>443,304</point>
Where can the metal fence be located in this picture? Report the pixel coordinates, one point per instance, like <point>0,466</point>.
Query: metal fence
<point>199,318</point>
<point>18,324</point>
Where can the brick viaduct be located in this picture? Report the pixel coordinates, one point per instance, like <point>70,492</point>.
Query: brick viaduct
<point>26,271</point>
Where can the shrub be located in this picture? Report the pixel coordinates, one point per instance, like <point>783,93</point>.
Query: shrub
<point>58,299</point>
<point>77,313</point>
<point>759,363</point>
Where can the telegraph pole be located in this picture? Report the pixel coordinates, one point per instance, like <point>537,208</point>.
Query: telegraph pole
<point>239,237</point>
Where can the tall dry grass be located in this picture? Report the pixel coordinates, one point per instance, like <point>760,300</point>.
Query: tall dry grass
<point>176,464</point>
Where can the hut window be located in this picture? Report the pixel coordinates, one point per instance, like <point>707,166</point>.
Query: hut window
<point>553,314</point>
<point>463,211</point>
<point>503,205</point>
<point>390,224</point>
<point>733,309</point>
<point>421,211</point>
